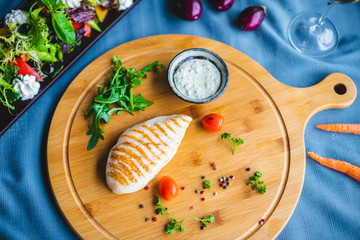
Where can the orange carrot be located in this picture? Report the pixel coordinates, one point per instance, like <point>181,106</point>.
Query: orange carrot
<point>341,166</point>
<point>341,127</point>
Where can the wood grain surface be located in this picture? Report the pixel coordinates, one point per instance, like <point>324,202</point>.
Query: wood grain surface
<point>268,115</point>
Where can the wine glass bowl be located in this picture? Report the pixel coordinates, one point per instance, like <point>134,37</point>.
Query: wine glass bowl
<point>311,37</point>
<point>313,34</point>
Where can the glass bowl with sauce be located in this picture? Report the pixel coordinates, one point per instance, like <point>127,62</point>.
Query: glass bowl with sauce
<point>198,75</point>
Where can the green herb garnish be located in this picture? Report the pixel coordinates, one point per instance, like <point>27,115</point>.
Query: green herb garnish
<point>235,142</point>
<point>256,183</point>
<point>119,92</point>
<point>161,210</point>
<point>207,184</point>
<point>206,220</point>
<point>8,95</point>
<point>62,26</point>
<point>174,224</point>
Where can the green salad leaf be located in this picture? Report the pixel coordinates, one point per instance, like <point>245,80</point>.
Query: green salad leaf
<point>8,95</point>
<point>116,97</point>
<point>48,3</point>
<point>63,28</point>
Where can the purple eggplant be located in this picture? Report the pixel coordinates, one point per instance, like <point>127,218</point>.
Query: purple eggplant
<point>223,5</point>
<point>251,18</point>
<point>190,10</point>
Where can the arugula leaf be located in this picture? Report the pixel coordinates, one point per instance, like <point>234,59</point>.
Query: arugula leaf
<point>174,224</point>
<point>116,97</point>
<point>100,112</point>
<point>63,28</point>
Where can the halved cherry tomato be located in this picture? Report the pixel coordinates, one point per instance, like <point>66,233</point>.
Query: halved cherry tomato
<point>87,30</point>
<point>168,188</point>
<point>213,122</point>
<point>76,26</point>
<point>25,69</point>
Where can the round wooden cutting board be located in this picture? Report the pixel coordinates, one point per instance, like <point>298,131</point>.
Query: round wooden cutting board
<point>268,115</point>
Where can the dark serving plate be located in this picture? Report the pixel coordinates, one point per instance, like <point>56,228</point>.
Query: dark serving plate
<point>113,16</point>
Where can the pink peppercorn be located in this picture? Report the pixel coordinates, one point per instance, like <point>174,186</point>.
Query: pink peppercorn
<point>182,188</point>
<point>221,185</point>
<point>213,164</point>
<point>202,192</point>
<point>232,176</point>
<point>191,207</point>
<point>146,188</point>
<point>154,219</point>
<point>262,221</point>
<point>203,199</point>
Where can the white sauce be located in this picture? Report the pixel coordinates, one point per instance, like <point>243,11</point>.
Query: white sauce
<point>14,19</point>
<point>124,4</point>
<point>197,78</point>
<point>26,86</point>
<point>72,3</point>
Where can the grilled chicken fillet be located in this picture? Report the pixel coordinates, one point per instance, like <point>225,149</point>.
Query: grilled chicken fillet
<point>142,151</point>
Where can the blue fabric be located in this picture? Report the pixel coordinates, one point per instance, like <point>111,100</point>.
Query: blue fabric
<point>329,206</point>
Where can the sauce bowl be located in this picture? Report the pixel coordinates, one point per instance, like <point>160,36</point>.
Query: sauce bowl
<point>203,54</point>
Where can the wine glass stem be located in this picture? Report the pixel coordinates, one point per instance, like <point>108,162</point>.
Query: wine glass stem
<point>327,9</point>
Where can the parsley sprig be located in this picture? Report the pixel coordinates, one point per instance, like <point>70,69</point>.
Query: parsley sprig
<point>161,210</point>
<point>174,224</point>
<point>235,142</point>
<point>117,96</point>
<point>207,184</point>
<point>206,220</point>
<point>256,183</point>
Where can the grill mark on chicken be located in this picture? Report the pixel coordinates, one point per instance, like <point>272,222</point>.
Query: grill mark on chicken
<point>139,148</point>
<point>131,154</point>
<point>168,126</point>
<point>175,122</point>
<point>182,118</point>
<point>118,177</point>
<point>142,133</point>
<point>155,134</point>
<point>124,170</point>
<point>130,165</point>
<point>162,130</point>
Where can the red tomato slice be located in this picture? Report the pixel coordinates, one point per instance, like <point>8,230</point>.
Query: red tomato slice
<point>76,26</point>
<point>87,30</point>
<point>213,122</point>
<point>25,69</point>
<point>168,188</point>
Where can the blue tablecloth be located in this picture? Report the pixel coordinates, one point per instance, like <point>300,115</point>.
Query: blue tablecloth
<point>329,206</point>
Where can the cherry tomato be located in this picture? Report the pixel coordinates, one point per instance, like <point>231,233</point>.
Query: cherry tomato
<point>87,30</point>
<point>76,26</point>
<point>168,188</point>
<point>213,122</point>
<point>25,69</point>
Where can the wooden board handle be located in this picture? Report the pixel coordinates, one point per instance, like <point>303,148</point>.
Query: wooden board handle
<point>336,91</point>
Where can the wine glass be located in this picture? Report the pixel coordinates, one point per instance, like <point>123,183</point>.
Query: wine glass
<point>313,34</point>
